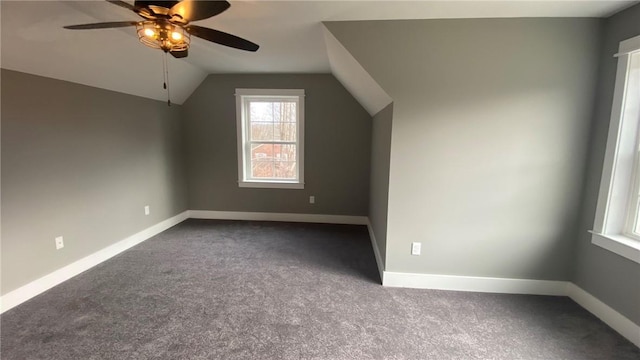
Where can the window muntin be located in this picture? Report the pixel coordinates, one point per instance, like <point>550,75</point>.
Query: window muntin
<point>270,138</point>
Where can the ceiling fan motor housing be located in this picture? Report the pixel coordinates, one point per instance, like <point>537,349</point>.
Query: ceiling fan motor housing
<point>156,6</point>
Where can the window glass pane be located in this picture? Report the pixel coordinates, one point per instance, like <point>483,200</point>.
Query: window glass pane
<point>284,152</point>
<point>262,169</point>
<point>285,169</point>
<point>636,229</point>
<point>261,152</point>
<point>634,216</point>
<point>286,112</point>
<point>273,161</point>
<point>284,131</point>
<point>262,131</point>
<point>261,111</point>
<point>272,121</point>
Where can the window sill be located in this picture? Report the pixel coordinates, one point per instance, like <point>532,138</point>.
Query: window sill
<point>619,244</point>
<point>270,185</point>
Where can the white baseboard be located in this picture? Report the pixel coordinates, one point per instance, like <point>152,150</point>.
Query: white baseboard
<point>376,251</point>
<point>604,312</point>
<point>36,287</point>
<point>263,216</point>
<point>615,320</point>
<point>477,284</point>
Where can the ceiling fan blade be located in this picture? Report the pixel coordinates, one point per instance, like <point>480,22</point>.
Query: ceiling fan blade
<point>104,25</point>
<point>193,10</point>
<point>123,4</point>
<point>221,38</point>
<point>180,54</point>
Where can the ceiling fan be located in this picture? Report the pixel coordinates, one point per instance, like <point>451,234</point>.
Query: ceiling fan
<point>167,25</point>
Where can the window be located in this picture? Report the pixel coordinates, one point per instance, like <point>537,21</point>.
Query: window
<point>270,138</point>
<point>617,223</point>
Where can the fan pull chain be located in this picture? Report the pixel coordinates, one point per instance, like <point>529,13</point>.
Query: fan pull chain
<point>165,73</point>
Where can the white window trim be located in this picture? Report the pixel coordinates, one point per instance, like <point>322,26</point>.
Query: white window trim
<point>616,183</point>
<point>242,134</point>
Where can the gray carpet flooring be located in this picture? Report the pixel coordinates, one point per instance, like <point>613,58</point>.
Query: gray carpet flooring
<point>258,290</point>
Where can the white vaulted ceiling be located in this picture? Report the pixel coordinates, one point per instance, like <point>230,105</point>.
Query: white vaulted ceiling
<point>290,35</point>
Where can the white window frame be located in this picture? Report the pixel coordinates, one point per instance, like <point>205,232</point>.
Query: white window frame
<point>610,228</point>
<point>243,96</point>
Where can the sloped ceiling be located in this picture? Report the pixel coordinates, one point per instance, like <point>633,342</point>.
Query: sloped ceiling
<point>354,77</point>
<point>290,34</point>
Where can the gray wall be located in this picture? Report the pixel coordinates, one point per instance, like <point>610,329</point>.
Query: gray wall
<point>379,178</point>
<point>611,278</point>
<point>337,148</point>
<point>490,128</point>
<point>81,162</point>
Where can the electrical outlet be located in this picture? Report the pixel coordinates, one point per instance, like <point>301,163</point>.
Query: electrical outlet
<point>416,247</point>
<point>312,199</point>
<point>59,243</point>
<point>146,210</point>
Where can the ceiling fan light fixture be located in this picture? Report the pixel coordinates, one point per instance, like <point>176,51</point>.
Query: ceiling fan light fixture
<point>163,35</point>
